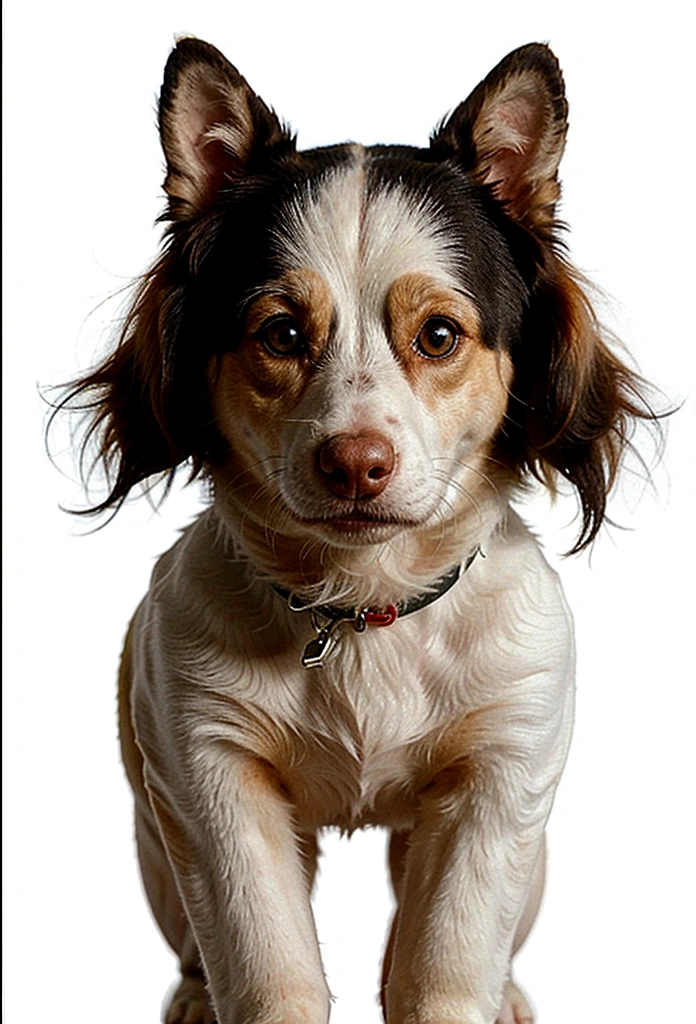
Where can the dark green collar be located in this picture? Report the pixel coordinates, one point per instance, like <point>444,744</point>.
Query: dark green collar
<point>317,650</point>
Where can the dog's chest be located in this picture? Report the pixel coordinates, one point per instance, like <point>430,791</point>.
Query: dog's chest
<point>354,742</point>
<point>363,720</point>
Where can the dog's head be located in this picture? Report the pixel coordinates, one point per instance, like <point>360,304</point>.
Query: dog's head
<point>362,345</point>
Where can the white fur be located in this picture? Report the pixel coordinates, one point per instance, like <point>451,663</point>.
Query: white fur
<point>217,685</point>
<point>451,725</point>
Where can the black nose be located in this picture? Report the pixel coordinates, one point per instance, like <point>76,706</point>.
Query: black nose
<point>356,466</point>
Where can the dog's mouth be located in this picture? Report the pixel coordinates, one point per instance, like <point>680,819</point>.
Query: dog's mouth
<point>359,524</point>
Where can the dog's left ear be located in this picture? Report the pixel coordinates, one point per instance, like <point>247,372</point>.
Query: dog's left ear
<point>212,125</point>
<point>510,132</point>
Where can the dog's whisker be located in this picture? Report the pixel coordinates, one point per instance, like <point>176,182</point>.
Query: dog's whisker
<point>458,486</point>
<point>241,479</point>
<point>471,469</point>
<point>311,420</point>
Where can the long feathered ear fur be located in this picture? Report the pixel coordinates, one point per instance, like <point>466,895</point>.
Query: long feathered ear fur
<point>213,129</point>
<point>573,403</point>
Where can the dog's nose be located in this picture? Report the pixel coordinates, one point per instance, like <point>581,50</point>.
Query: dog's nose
<point>356,466</point>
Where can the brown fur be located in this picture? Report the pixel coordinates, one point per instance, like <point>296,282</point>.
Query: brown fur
<point>574,404</point>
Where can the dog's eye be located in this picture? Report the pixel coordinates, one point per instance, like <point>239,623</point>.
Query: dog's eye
<point>282,337</point>
<point>437,338</point>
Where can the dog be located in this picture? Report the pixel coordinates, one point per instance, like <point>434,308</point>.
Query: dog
<point>367,353</point>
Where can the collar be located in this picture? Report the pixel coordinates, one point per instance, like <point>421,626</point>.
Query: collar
<point>318,650</point>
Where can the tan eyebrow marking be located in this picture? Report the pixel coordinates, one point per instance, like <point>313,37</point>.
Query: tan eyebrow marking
<point>412,300</point>
<point>302,294</point>
<point>467,390</point>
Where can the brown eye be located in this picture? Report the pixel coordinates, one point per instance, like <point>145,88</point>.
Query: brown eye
<point>281,336</point>
<point>437,338</point>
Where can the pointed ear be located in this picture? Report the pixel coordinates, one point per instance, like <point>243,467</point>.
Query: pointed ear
<point>510,133</point>
<point>211,124</point>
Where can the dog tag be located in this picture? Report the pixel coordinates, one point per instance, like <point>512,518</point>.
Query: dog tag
<point>318,650</point>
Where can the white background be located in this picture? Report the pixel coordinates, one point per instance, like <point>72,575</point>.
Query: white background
<point>82,190</point>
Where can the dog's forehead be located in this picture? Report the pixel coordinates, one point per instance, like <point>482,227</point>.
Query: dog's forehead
<point>362,238</point>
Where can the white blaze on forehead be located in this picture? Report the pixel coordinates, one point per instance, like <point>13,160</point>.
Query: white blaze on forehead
<point>323,232</point>
<point>360,246</point>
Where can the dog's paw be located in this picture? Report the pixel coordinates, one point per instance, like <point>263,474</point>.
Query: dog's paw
<point>190,1003</point>
<point>515,1008</point>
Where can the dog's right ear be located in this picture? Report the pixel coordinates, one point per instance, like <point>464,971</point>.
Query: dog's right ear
<point>212,126</point>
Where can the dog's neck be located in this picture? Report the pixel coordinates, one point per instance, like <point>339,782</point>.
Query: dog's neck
<point>370,575</point>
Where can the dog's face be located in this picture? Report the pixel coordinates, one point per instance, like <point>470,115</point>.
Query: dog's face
<point>371,372</point>
<point>361,305</point>
<point>365,348</point>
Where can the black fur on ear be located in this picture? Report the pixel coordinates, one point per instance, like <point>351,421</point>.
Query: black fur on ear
<point>212,124</point>
<point>510,133</point>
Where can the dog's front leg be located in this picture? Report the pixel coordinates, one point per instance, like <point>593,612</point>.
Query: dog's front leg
<point>229,833</point>
<point>468,871</point>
